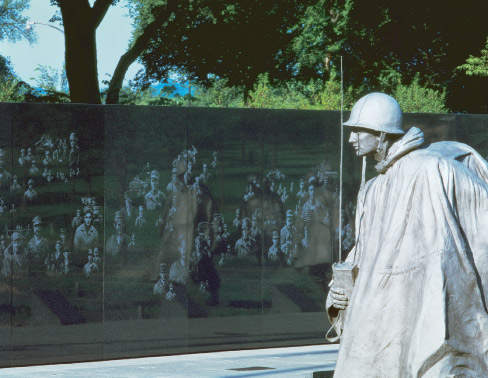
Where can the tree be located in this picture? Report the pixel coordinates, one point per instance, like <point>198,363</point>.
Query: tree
<point>81,21</point>
<point>415,98</point>
<point>12,29</point>
<point>232,40</point>
<point>12,23</point>
<point>477,65</point>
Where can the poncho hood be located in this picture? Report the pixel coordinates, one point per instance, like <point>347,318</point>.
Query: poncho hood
<point>413,139</point>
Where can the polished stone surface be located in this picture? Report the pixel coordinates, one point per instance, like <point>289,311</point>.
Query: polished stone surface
<point>274,362</point>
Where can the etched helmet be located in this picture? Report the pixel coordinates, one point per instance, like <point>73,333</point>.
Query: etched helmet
<point>377,111</point>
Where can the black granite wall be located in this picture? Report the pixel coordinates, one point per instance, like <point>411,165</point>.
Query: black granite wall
<point>156,263</point>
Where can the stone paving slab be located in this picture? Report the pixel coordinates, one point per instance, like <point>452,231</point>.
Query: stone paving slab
<point>293,362</point>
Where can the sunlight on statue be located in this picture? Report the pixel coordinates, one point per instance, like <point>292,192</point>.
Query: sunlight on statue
<point>418,305</point>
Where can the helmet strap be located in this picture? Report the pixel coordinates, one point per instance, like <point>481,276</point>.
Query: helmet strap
<point>381,149</point>
<point>363,174</point>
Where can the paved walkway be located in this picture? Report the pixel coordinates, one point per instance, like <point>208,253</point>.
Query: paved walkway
<point>273,362</point>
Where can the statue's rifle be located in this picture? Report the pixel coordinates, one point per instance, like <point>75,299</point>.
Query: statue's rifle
<point>340,167</point>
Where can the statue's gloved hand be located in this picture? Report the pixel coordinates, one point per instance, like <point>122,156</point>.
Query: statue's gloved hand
<point>338,297</point>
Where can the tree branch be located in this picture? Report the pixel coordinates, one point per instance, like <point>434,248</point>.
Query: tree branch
<point>137,48</point>
<point>99,11</point>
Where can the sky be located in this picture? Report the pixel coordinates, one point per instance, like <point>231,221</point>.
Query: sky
<point>113,36</point>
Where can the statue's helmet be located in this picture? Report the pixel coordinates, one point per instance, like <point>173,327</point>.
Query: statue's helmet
<point>378,112</point>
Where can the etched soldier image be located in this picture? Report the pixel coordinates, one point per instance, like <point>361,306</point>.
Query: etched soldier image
<point>274,250</point>
<point>204,271</point>
<point>170,295</point>
<point>188,177</point>
<point>288,236</point>
<point>205,175</point>
<point>305,239</point>
<point>3,207</point>
<point>313,210</point>
<point>66,262</point>
<point>140,220</point>
<point>302,193</point>
<point>118,243</point>
<point>161,286</point>
<point>178,271</point>
<point>74,152</point>
<point>246,245</point>
<point>86,237</point>
<point>57,258</point>
<point>237,219</point>
<point>214,160</point>
<point>284,196</point>
<point>5,177</point>
<point>3,243</point>
<point>77,220</point>
<point>132,244</point>
<point>174,184</point>
<point>47,159</point>
<point>37,248</point>
<point>90,267</point>
<point>33,170</point>
<point>13,257</point>
<point>21,159</point>
<point>15,187</point>
<point>154,199</point>
<point>222,259</point>
<point>28,159</point>
<point>96,257</point>
<point>65,245</point>
<point>30,195</point>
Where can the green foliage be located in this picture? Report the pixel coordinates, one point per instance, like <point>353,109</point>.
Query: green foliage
<point>297,95</point>
<point>12,23</point>
<point>51,86</point>
<point>133,94</point>
<point>415,98</point>
<point>219,94</point>
<point>232,40</point>
<point>10,90</point>
<point>477,65</point>
<point>319,35</point>
<point>51,79</point>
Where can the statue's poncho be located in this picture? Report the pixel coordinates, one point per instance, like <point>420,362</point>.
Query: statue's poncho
<point>418,308</point>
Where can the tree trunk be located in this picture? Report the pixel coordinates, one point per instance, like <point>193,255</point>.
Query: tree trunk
<point>135,50</point>
<point>81,51</point>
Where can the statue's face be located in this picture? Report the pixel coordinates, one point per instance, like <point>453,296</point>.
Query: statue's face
<point>154,184</point>
<point>363,142</point>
